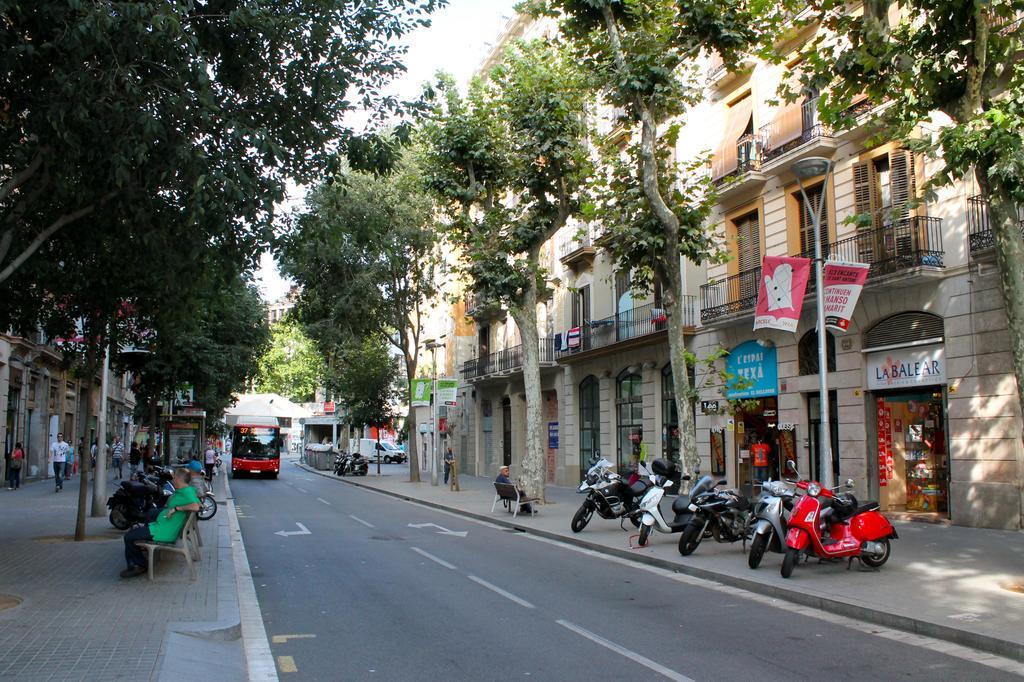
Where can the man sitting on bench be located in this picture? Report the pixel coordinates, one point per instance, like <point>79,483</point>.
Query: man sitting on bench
<point>167,526</point>
<point>503,478</point>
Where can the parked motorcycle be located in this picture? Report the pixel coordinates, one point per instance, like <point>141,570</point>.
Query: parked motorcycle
<point>649,508</point>
<point>829,524</point>
<point>138,500</point>
<point>607,494</point>
<point>351,465</point>
<point>771,512</point>
<point>720,514</point>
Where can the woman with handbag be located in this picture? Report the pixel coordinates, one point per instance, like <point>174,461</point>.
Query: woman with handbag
<point>17,460</point>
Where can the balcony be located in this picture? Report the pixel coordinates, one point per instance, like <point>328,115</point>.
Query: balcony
<point>480,310</point>
<point>506,362</point>
<point>634,327</point>
<point>814,139</point>
<point>748,176</point>
<point>905,248</point>
<point>577,250</point>
<point>979,232</point>
<point>719,76</point>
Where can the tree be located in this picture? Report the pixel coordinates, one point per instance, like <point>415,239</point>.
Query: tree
<point>364,256</point>
<point>138,108</point>
<point>642,55</point>
<point>368,381</point>
<point>292,365</point>
<point>960,58</point>
<point>509,163</point>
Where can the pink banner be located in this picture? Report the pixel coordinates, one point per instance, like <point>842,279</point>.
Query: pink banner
<point>780,295</point>
<point>843,284</point>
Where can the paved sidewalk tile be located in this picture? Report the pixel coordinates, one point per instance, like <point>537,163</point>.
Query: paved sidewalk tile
<point>949,576</point>
<point>78,619</point>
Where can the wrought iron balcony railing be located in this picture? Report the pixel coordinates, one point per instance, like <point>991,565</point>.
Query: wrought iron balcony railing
<point>626,325</point>
<point>506,361</point>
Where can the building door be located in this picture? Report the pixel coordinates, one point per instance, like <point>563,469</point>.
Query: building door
<point>813,436</point>
<point>623,305</point>
<point>590,422</point>
<point>506,431</point>
<point>756,423</point>
<point>629,422</point>
<point>913,464</point>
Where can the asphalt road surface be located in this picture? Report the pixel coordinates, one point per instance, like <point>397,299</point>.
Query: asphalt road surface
<point>365,595</point>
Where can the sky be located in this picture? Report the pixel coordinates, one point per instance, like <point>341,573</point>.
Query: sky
<point>457,41</point>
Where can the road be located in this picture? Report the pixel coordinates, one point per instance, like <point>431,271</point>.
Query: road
<point>365,595</point>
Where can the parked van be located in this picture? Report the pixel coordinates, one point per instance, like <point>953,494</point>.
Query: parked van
<point>388,452</point>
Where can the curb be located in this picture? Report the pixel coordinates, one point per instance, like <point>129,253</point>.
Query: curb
<point>987,643</point>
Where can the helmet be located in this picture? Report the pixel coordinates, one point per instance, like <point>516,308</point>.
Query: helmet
<point>195,466</point>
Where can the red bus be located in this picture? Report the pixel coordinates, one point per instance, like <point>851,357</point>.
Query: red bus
<point>256,446</point>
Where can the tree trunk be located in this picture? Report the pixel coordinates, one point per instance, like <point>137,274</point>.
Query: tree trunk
<point>84,456</point>
<point>675,312</point>
<point>526,318</point>
<point>410,421</point>
<point>1006,229</point>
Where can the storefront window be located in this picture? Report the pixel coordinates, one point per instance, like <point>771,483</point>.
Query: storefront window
<point>813,437</point>
<point>669,416</point>
<point>913,464</point>
<point>590,424</point>
<point>629,408</point>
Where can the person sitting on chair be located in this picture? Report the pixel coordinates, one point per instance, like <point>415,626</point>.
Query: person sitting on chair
<point>503,478</point>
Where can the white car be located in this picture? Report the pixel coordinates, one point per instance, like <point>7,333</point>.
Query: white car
<point>386,451</point>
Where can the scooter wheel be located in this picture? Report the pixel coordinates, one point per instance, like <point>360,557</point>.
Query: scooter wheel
<point>645,534</point>
<point>119,518</point>
<point>757,548</point>
<point>877,562</point>
<point>689,540</point>
<point>582,517</point>
<point>789,561</point>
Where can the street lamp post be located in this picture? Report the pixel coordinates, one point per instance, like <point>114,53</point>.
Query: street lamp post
<point>432,345</point>
<point>805,169</point>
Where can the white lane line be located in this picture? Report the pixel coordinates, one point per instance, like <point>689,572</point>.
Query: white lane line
<point>301,490</point>
<point>365,523</point>
<point>503,593</point>
<point>320,499</point>
<point>433,558</point>
<point>622,651</point>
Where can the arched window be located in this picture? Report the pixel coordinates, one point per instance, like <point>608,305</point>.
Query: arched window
<point>669,416</point>
<point>629,413</point>
<point>590,421</point>
<point>807,352</point>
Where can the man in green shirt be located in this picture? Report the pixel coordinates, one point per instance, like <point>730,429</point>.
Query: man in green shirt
<point>167,526</point>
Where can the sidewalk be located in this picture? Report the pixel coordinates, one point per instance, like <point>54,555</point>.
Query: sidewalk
<point>947,582</point>
<point>78,620</point>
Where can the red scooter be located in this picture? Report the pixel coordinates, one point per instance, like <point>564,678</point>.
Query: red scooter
<point>854,531</point>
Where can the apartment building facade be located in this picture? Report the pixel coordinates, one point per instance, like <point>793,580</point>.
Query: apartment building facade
<point>40,398</point>
<point>924,414</point>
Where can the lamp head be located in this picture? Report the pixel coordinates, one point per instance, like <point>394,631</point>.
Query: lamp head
<point>811,167</point>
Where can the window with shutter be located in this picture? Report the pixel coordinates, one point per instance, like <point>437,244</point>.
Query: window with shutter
<point>815,196</point>
<point>902,185</point>
<point>866,203</point>
<point>748,242</point>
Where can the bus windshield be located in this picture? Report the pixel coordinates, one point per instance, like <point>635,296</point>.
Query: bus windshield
<point>255,442</point>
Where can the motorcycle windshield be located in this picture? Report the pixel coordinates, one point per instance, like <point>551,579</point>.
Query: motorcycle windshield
<point>702,486</point>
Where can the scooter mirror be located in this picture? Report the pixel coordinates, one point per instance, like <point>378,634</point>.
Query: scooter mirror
<point>723,482</point>
<point>849,483</point>
<point>685,478</point>
<point>669,483</point>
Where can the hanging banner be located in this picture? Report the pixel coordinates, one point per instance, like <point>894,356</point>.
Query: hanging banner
<point>780,294</point>
<point>447,392</point>
<point>420,390</point>
<point>843,283</point>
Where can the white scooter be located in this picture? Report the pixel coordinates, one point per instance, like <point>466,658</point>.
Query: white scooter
<point>650,506</point>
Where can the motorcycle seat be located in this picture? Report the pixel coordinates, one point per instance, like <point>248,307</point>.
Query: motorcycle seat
<point>136,487</point>
<point>867,506</point>
<point>681,503</point>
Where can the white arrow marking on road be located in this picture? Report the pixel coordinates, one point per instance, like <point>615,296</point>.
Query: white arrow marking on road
<point>441,530</point>
<point>302,531</point>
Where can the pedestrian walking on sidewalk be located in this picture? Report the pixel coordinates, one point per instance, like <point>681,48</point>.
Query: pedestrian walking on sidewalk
<point>165,528</point>
<point>210,460</point>
<point>58,458</point>
<point>14,470</point>
<point>117,457</point>
<point>134,459</point>
<point>448,459</point>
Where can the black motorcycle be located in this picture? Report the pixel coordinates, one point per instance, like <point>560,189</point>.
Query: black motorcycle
<point>351,465</point>
<point>138,500</point>
<point>720,514</point>
<point>607,494</point>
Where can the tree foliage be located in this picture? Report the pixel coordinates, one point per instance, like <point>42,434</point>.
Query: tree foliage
<point>134,110</point>
<point>509,162</point>
<point>364,254</point>
<point>292,365</point>
<point>369,381</point>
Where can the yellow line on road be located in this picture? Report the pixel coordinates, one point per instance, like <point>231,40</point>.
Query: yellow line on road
<point>281,639</point>
<point>287,664</point>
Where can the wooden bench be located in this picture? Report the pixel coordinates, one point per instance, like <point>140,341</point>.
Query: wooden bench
<point>187,545</point>
<point>510,495</point>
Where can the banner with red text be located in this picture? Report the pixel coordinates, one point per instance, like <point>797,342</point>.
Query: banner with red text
<point>780,294</point>
<point>843,283</point>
